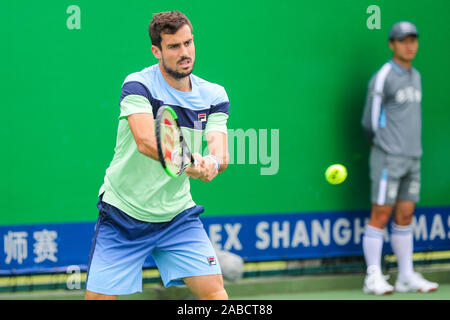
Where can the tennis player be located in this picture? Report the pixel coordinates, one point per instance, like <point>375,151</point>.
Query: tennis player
<point>392,121</point>
<point>142,210</point>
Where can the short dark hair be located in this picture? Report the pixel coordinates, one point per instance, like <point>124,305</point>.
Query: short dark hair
<point>168,22</point>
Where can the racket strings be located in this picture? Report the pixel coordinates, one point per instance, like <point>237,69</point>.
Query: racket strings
<point>171,143</point>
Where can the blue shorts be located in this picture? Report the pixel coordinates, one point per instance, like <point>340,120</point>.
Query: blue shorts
<point>180,248</point>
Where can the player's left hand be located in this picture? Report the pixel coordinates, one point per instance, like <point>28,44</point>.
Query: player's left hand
<point>198,170</point>
<point>205,168</point>
<point>210,170</point>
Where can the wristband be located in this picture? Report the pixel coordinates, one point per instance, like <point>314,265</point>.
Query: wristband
<point>214,159</point>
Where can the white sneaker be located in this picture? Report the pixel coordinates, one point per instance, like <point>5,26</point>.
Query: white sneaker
<point>375,283</point>
<point>415,283</point>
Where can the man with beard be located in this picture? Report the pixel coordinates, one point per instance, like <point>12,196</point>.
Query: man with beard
<point>393,123</point>
<point>141,209</point>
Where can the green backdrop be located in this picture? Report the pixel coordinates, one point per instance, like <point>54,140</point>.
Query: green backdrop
<point>299,67</point>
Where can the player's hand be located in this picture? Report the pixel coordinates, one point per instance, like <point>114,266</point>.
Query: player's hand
<point>210,169</point>
<point>205,168</point>
<point>198,170</point>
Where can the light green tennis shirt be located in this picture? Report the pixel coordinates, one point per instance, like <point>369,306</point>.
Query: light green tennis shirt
<point>137,184</point>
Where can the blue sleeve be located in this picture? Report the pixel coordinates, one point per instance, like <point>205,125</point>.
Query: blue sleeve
<point>134,88</point>
<point>221,103</point>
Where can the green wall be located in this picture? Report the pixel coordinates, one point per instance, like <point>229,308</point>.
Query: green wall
<point>299,67</point>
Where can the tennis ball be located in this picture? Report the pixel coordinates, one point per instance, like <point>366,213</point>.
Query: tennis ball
<point>336,174</point>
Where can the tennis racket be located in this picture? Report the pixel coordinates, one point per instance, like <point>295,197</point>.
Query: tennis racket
<point>173,151</point>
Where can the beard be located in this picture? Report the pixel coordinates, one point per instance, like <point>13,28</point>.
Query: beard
<point>176,74</point>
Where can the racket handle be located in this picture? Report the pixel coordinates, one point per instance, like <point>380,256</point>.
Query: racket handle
<point>193,161</point>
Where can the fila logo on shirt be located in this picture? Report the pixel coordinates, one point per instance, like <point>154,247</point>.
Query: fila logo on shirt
<point>202,117</point>
<point>408,94</point>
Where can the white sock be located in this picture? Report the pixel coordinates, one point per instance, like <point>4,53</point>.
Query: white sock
<point>402,245</point>
<point>372,244</point>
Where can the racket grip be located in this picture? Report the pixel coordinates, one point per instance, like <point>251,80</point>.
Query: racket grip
<point>193,161</point>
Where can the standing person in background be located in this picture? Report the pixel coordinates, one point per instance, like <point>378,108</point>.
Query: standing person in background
<point>392,122</point>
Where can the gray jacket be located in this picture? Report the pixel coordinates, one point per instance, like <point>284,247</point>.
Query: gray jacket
<point>392,117</point>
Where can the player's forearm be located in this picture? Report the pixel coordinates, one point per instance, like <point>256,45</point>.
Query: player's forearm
<point>218,147</point>
<point>223,161</point>
<point>142,127</point>
<point>147,146</point>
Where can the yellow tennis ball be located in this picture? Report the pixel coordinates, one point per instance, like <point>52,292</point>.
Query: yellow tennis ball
<point>336,174</point>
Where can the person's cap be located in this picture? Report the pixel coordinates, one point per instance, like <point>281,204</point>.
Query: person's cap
<point>402,29</point>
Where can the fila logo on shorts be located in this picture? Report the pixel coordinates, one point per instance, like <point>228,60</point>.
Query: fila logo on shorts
<point>211,261</point>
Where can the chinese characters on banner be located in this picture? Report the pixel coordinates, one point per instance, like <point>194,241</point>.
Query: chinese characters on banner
<point>45,246</point>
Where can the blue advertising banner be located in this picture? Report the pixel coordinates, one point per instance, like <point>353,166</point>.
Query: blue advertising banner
<point>56,247</point>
